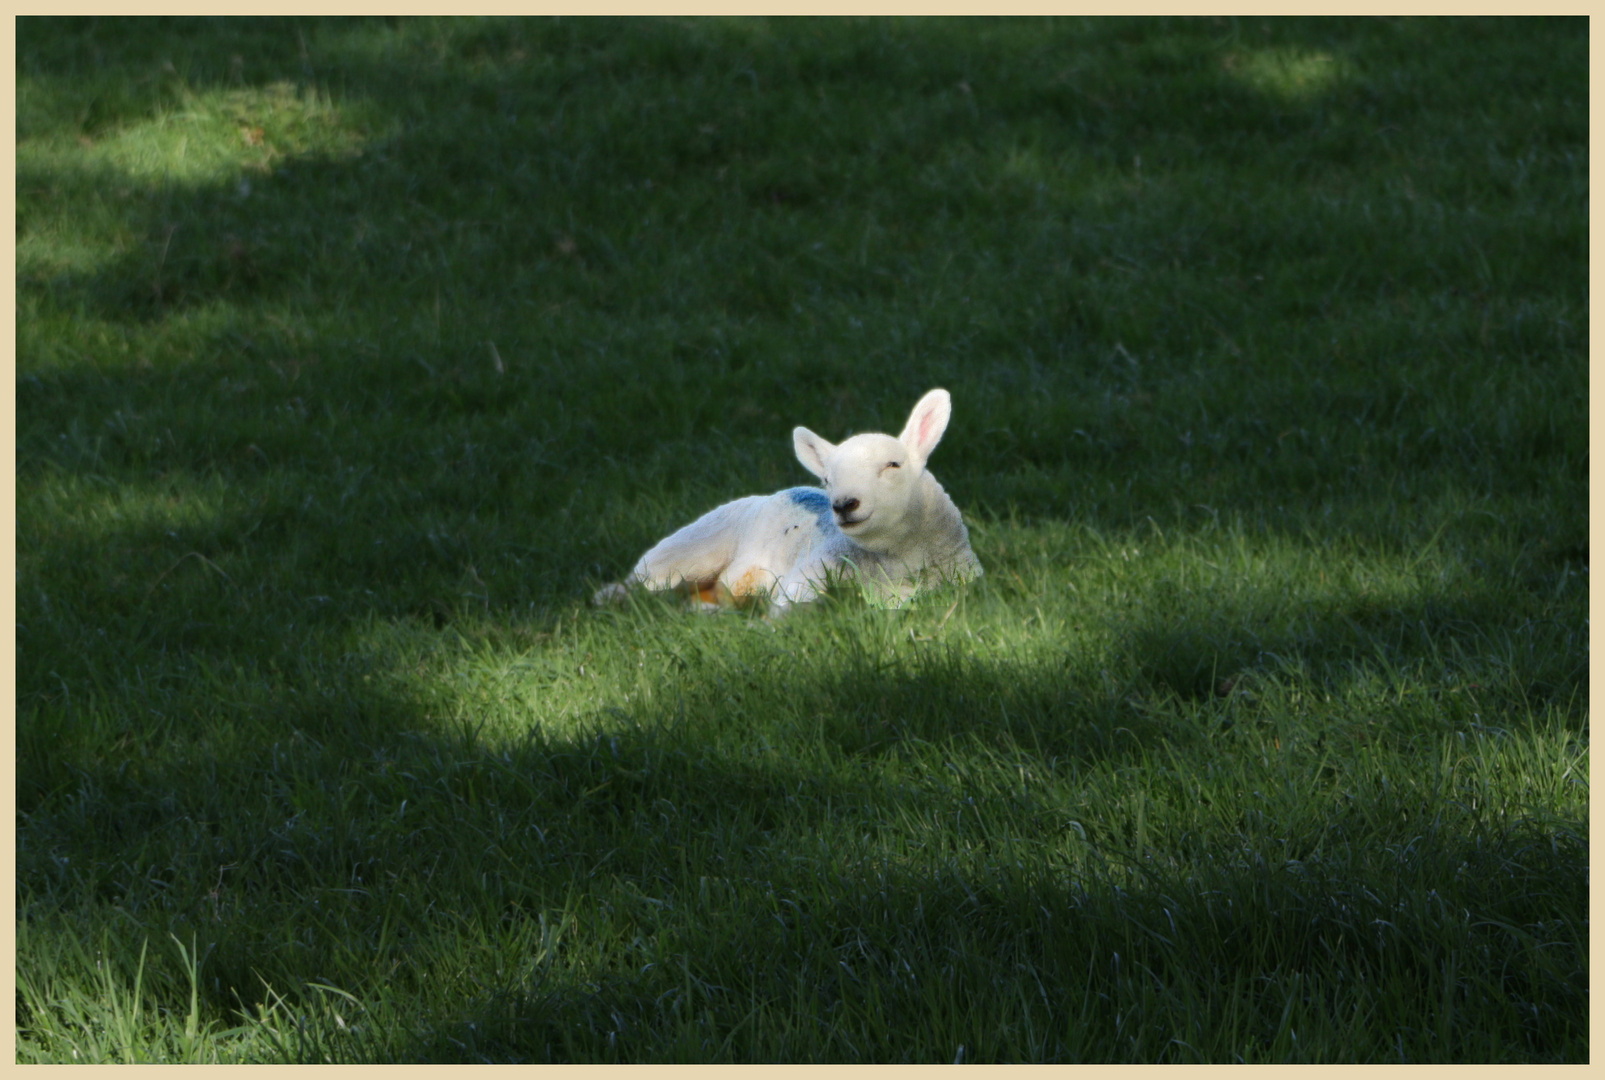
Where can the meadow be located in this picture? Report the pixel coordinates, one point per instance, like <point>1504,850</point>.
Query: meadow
<point>353,355</point>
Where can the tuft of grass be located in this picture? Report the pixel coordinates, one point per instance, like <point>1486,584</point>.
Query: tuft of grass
<point>354,354</point>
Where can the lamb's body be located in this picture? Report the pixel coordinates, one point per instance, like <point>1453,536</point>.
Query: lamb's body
<point>787,545</point>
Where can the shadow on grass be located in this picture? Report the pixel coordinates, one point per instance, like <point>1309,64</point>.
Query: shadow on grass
<point>509,196</point>
<point>556,192</point>
<point>506,170</point>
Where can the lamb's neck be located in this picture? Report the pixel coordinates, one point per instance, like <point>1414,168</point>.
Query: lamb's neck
<point>942,531</point>
<point>933,535</point>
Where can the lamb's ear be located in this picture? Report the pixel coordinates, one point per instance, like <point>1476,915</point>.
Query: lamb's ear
<point>925,426</point>
<point>811,450</point>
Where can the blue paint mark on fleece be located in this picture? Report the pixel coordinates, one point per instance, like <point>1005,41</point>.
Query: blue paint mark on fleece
<point>813,499</point>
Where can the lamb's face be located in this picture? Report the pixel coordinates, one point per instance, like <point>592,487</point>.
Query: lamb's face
<point>868,479</point>
<point>871,478</point>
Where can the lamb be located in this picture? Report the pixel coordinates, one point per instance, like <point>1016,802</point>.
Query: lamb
<point>880,518</point>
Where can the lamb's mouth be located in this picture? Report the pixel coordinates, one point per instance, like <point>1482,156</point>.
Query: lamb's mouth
<point>848,523</point>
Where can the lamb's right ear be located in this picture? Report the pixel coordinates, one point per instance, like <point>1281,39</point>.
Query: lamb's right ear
<point>811,450</point>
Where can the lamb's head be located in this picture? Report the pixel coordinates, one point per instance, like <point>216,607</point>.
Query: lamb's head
<point>873,480</point>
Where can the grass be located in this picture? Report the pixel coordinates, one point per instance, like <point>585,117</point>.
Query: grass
<point>352,355</point>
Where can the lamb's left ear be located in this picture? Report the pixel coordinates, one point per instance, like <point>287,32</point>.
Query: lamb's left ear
<point>811,450</point>
<point>925,426</point>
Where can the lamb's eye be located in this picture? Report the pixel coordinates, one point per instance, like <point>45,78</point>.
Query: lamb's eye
<point>891,465</point>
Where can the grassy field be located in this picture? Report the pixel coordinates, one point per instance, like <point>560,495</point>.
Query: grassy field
<point>353,355</point>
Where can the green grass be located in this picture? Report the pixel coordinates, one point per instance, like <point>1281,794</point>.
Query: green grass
<point>352,355</point>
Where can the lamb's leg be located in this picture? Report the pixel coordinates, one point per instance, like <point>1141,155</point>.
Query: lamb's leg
<point>800,586</point>
<point>694,556</point>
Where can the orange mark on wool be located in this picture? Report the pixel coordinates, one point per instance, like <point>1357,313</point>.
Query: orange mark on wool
<point>738,593</point>
<point>713,592</point>
<point>751,583</point>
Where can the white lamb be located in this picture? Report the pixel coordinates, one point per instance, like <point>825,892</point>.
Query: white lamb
<point>881,518</point>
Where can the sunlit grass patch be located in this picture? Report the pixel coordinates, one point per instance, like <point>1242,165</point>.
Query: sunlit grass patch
<point>224,139</point>
<point>192,137</point>
<point>1292,74</point>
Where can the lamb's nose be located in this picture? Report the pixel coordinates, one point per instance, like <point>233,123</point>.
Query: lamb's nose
<point>844,506</point>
